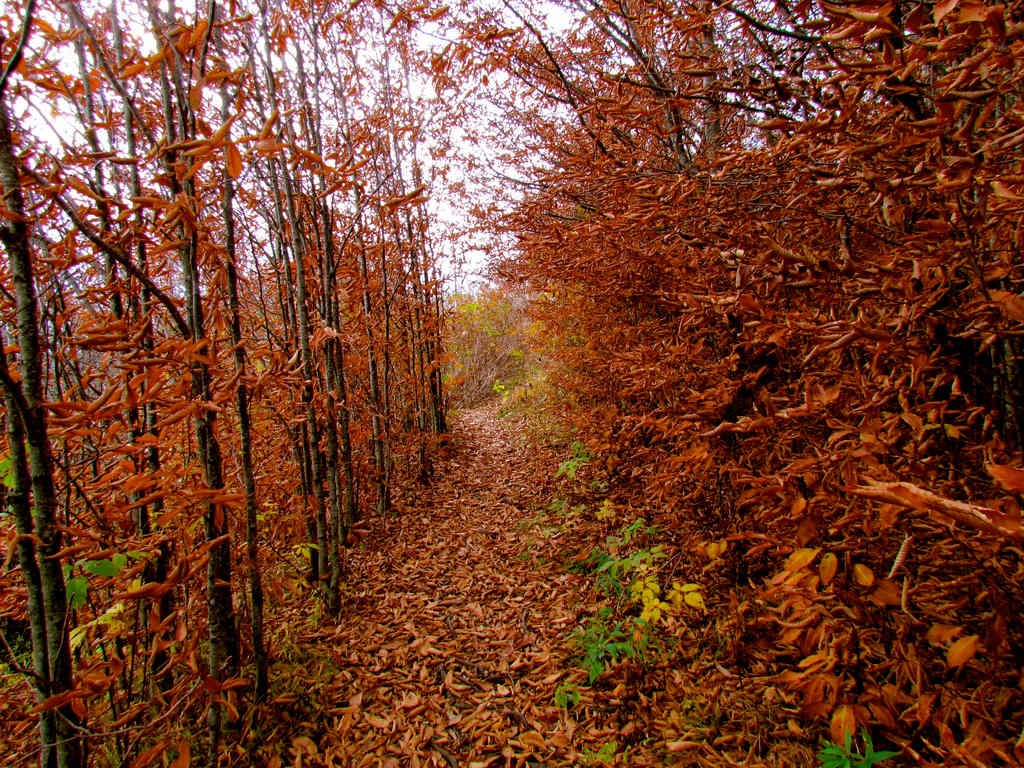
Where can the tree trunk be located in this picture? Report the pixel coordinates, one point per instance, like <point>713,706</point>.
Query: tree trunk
<point>223,651</point>
<point>245,432</point>
<point>68,748</point>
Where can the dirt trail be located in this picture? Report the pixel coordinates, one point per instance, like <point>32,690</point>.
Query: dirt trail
<point>452,641</point>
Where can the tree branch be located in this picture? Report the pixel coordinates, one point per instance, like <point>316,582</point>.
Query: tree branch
<point>804,38</point>
<point>76,16</point>
<point>117,254</point>
<point>26,28</point>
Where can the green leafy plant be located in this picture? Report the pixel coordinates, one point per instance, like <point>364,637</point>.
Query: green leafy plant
<point>107,567</point>
<point>835,756</point>
<point>602,643</point>
<point>580,457</point>
<point>605,755</point>
<point>77,589</point>
<point>611,568</point>
<point>7,472</point>
<point>567,695</point>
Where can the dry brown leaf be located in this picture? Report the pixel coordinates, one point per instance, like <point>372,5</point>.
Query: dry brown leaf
<point>377,722</point>
<point>532,739</point>
<point>962,651</point>
<point>827,568</point>
<point>940,634</point>
<point>233,160</point>
<point>681,745</point>
<point>184,758</point>
<point>887,592</point>
<point>863,575</point>
<point>801,558</point>
<point>1011,478</point>
<point>843,723</point>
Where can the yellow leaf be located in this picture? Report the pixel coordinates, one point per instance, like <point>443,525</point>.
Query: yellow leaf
<point>827,568</point>
<point>694,600</point>
<point>962,651</point>
<point>714,549</point>
<point>801,558</point>
<point>844,722</point>
<point>863,575</point>
<point>233,159</point>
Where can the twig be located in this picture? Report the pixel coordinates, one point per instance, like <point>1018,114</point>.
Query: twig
<point>901,556</point>
<point>804,38</point>
<point>115,81</point>
<point>115,253</point>
<point>26,28</point>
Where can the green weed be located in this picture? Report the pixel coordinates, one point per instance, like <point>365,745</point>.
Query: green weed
<point>605,755</point>
<point>559,505</point>
<point>567,695</point>
<point>611,568</point>
<point>602,643</point>
<point>580,458</point>
<point>835,756</point>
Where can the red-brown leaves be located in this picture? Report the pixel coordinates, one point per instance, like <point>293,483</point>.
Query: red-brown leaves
<point>232,160</point>
<point>804,335</point>
<point>1011,478</point>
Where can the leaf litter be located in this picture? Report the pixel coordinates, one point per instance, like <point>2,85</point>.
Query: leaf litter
<point>455,646</point>
<point>452,638</point>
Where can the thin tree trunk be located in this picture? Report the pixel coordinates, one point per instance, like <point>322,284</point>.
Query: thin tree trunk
<point>305,351</point>
<point>383,495</point>
<point>69,748</point>
<point>19,503</point>
<point>154,571</point>
<point>223,651</point>
<point>245,432</point>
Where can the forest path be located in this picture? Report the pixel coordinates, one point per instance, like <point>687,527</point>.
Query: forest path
<point>452,640</point>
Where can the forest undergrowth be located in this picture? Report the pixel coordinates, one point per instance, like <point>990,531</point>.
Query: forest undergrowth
<point>531,609</point>
<point>451,642</point>
<point>504,617</point>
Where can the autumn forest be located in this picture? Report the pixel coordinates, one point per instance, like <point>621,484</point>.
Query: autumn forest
<point>511,383</point>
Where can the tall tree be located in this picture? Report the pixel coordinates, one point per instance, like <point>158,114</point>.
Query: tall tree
<point>33,499</point>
